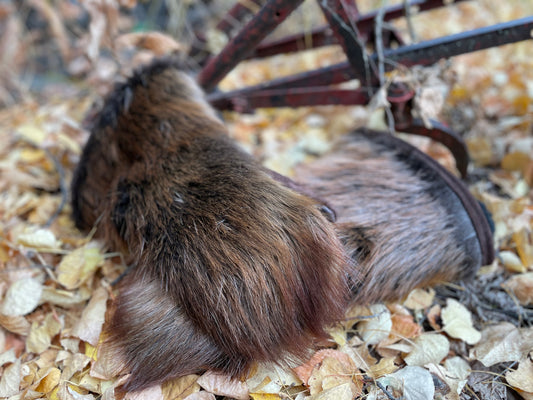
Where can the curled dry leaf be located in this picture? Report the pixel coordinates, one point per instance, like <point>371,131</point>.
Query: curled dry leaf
<point>340,392</point>
<point>180,388</point>
<point>203,395</point>
<point>502,343</point>
<point>454,373</point>
<point>376,328</point>
<point>410,383</point>
<point>151,393</point>
<point>522,378</point>
<point>222,385</point>
<point>89,326</point>
<point>10,380</point>
<point>511,262</point>
<point>79,266</point>
<point>41,335</point>
<point>49,382</point>
<point>457,322</point>
<point>428,348</point>
<point>522,287</point>
<point>39,239</point>
<point>385,366</point>
<point>304,371</point>
<point>22,297</point>
<point>332,372</point>
<point>271,379</point>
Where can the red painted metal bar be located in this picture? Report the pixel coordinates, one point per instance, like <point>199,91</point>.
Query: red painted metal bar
<point>269,17</point>
<point>291,98</point>
<point>341,18</point>
<point>423,53</point>
<point>444,135</point>
<point>323,36</point>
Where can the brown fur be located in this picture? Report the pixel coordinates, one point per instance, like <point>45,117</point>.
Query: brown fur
<point>400,221</point>
<point>230,266</point>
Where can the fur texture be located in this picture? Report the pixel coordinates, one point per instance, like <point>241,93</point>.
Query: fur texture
<point>230,266</point>
<point>399,217</point>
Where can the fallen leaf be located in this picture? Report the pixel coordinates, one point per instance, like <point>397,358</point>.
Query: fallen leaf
<point>49,382</point>
<point>201,396</point>
<point>385,366</point>
<point>340,392</point>
<point>17,325</point>
<point>457,322</point>
<point>151,393</point>
<point>180,388</point>
<point>502,343</point>
<point>331,373</point>
<point>22,297</point>
<point>41,335</point>
<point>10,380</point>
<point>511,262</point>
<point>78,266</point>
<point>428,348</point>
<point>222,385</point>
<point>305,370</point>
<point>522,287</point>
<point>411,382</point>
<point>377,327</point>
<point>522,377</point>
<point>39,239</point>
<point>89,326</point>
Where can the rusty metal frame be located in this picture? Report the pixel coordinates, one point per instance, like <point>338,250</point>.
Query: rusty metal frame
<point>351,30</point>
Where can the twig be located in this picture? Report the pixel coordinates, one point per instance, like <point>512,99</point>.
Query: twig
<point>387,393</point>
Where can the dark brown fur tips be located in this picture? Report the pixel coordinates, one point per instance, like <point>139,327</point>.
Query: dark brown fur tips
<point>229,265</point>
<point>403,218</point>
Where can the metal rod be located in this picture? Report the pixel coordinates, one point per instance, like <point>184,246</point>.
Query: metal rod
<point>269,17</point>
<point>323,36</point>
<point>292,98</point>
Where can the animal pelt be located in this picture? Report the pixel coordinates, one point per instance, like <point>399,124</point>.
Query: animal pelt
<point>403,218</point>
<point>229,265</point>
<point>233,264</point>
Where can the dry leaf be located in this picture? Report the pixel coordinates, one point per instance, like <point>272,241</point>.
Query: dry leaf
<point>79,266</point>
<point>92,319</point>
<point>39,239</point>
<point>522,378</point>
<point>22,297</point>
<point>384,367</point>
<point>457,322</point>
<point>271,378</point>
<point>50,381</point>
<point>523,239</point>
<point>265,396</point>
<point>330,373</point>
<point>412,383</point>
<point>10,380</point>
<point>340,392</point>
<point>454,373</point>
<point>41,335</point>
<point>501,343</point>
<point>376,328</point>
<point>157,42</point>
<point>522,287</point>
<point>222,385</point>
<point>180,388</point>
<point>201,396</point>
<point>511,262</point>
<point>304,371</point>
<point>151,393</point>
<point>428,348</point>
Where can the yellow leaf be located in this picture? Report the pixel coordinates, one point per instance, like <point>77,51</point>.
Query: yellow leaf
<point>78,266</point>
<point>264,396</point>
<point>384,367</point>
<point>49,382</point>
<point>428,348</point>
<point>39,239</point>
<point>180,388</point>
<point>32,133</point>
